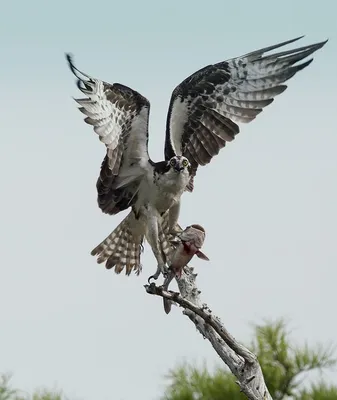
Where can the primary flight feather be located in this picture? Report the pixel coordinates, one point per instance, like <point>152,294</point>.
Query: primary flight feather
<point>204,114</point>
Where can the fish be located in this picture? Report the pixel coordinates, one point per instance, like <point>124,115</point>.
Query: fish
<point>187,245</point>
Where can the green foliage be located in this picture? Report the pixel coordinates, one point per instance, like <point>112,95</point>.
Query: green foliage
<point>282,364</point>
<point>8,393</point>
<point>45,394</point>
<point>319,391</point>
<point>190,383</point>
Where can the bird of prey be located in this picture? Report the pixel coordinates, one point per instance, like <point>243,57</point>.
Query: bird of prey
<point>203,115</point>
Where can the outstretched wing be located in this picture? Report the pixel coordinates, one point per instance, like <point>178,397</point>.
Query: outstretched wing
<point>206,107</point>
<point>119,115</point>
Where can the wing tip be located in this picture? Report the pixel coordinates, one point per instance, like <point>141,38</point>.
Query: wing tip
<point>321,44</point>
<point>314,47</point>
<point>303,65</point>
<point>70,59</point>
<point>282,88</point>
<point>317,44</point>
<point>266,49</point>
<point>294,40</point>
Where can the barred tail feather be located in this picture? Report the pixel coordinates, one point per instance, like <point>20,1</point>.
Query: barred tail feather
<point>121,248</point>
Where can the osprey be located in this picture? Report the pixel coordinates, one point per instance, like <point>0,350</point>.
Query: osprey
<point>203,116</point>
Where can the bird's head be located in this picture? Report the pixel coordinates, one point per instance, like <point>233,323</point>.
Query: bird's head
<point>179,163</point>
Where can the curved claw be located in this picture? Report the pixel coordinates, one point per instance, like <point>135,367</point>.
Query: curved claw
<point>151,277</point>
<point>160,270</point>
<point>176,231</point>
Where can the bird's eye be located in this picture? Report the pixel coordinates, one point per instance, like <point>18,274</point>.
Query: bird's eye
<point>173,162</point>
<point>185,163</point>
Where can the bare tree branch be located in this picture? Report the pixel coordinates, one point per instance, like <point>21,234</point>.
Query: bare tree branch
<point>242,362</point>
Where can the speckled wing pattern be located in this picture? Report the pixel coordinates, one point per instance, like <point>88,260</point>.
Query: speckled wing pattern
<point>119,115</point>
<point>207,106</point>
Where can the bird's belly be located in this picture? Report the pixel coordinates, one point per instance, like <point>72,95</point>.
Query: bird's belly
<point>165,200</point>
<point>167,194</point>
<point>159,199</point>
<point>161,194</point>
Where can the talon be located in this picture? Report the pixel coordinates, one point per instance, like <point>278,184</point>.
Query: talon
<point>175,231</point>
<point>175,241</point>
<point>161,269</point>
<point>155,277</point>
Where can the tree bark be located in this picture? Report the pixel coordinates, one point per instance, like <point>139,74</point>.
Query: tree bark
<point>242,362</point>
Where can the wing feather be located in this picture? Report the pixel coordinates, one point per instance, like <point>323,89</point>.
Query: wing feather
<point>207,106</point>
<point>119,116</point>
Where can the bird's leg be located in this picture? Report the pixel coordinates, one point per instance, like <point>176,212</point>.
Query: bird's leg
<point>152,236</point>
<point>174,212</point>
<point>168,278</point>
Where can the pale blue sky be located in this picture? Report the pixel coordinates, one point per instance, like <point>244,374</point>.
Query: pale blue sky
<point>272,228</point>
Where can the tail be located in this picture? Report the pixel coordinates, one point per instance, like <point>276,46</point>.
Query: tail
<point>167,305</point>
<point>122,247</point>
<point>167,302</point>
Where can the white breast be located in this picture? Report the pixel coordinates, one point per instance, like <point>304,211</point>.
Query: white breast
<point>169,188</point>
<point>164,190</point>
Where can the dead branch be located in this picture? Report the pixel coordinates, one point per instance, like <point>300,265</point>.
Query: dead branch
<point>242,362</point>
